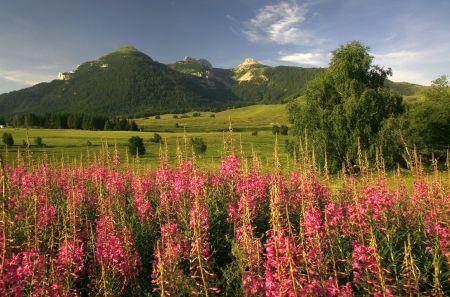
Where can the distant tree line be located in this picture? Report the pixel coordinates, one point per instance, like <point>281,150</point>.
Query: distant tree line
<point>80,121</point>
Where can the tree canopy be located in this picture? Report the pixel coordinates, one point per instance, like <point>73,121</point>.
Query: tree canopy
<point>136,145</point>
<point>349,103</point>
<point>429,121</point>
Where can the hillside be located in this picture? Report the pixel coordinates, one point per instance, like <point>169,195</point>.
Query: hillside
<point>124,82</point>
<point>251,81</point>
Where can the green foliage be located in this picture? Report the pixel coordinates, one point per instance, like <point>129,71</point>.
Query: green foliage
<point>212,115</point>
<point>74,121</point>
<point>195,114</point>
<point>38,141</point>
<point>429,121</point>
<point>255,133</point>
<point>134,126</point>
<point>275,129</point>
<point>8,139</point>
<point>284,130</point>
<point>198,145</point>
<point>136,145</point>
<point>157,117</point>
<point>291,148</point>
<point>157,138</point>
<point>175,116</point>
<point>347,104</point>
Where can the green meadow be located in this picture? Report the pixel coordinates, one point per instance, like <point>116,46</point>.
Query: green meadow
<point>254,117</point>
<point>64,144</point>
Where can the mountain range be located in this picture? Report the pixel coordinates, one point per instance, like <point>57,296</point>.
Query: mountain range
<point>129,82</point>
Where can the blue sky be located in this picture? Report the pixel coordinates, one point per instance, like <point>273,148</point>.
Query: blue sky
<point>38,39</point>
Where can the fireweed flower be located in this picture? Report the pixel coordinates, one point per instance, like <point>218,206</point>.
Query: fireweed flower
<point>115,249</point>
<point>282,276</point>
<point>141,200</point>
<point>23,271</point>
<point>229,168</point>
<point>200,253</point>
<point>169,252</point>
<point>69,266</point>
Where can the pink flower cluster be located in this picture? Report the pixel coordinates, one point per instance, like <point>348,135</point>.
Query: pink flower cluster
<point>170,250</point>
<point>23,274</point>
<point>115,249</point>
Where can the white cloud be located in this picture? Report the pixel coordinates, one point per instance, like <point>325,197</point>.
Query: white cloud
<point>419,66</point>
<point>279,23</point>
<point>417,77</point>
<point>311,58</point>
<point>399,58</point>
<point>24,77</point>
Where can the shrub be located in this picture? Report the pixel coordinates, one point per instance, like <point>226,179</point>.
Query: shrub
<point>196,114</point>
<point>38,141</point>
<point>255,133</point>
<point>156,138</point>
<point>177,125</point>
<point>8,139</point>
<point>212,115</point>
<point>175,116</point>
<point>134,126</point>
<point>284,130</point>
<point>199,145</point>
<point>136,145</point>
<point>157,117</point>
<point>275,129</point>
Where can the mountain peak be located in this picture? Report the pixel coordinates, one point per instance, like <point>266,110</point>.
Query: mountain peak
<point>127,49</point>
<point>203,62</point>
<point>249,61</point>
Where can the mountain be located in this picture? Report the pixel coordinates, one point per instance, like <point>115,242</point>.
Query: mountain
<point>128,82</point>
<point>251,81</point>
<point>258,83</point>
<point>124,82</point>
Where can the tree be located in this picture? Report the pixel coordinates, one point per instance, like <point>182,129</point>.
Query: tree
<point>156,138</point>
<point>275,129</point>
<point>199,145</point>
<point>134,126</point>
<point>429,121</point>
<point>136,145</point>
<point>347,104</point>
<point>38,141</point>
<point>8,139</point>
<point>284,130</point>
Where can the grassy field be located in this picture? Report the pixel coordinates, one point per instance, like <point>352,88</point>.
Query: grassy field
<point>72,144</point>
<point>260,117</point>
